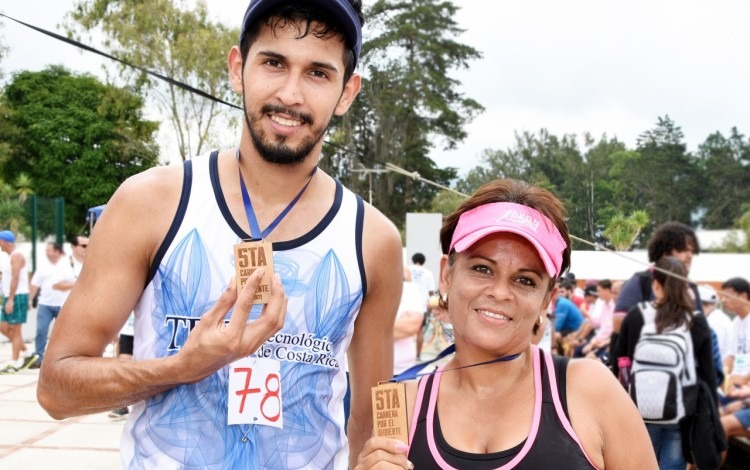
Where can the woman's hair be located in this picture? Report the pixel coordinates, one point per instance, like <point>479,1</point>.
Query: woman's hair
<point>675,308</point>
<point>518,192</point>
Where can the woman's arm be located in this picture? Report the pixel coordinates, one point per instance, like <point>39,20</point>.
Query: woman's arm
<point>605,419</point>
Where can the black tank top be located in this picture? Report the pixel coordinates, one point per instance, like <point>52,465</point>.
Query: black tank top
<point>551,443</point>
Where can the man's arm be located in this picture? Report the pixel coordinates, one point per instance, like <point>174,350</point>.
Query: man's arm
<point>63,285</point>
<point>75,379</point>
<point>371,349</point>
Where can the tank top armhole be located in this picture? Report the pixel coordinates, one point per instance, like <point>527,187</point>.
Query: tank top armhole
<point>187,183</point>
<point>418,411</point>
<point>557,373</point>
<point>359,227</point>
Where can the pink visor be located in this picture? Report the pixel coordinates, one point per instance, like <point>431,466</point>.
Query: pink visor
<point>531,224</point>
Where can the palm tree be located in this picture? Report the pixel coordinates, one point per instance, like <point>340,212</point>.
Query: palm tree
<point>24,187</point>
<point>623,231</point>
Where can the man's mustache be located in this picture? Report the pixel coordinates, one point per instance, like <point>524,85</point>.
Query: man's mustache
<point>274,109</point>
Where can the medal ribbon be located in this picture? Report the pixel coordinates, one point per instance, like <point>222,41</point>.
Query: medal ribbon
<point>413,372</point>
<point>255,232</point>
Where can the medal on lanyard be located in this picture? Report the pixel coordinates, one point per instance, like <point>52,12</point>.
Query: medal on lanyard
<point>253,254</point>
<point>389,398</point>
<point>389,411</point>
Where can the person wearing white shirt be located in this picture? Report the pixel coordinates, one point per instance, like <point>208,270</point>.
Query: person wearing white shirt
<point>735,296</point>
<point>53,283</point>
<point>424,279</point>
<point>408,323</point>
<point>718,320</point>
<point>78,245</point>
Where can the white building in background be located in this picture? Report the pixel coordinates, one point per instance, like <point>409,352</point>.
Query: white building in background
<point>707,268</point>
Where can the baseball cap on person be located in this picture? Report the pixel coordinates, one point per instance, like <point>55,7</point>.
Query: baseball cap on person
<point>707,294</point>
<point>590,289</point>
<point>7,236</point>
<point>341,9</point>
<point>525,221</point>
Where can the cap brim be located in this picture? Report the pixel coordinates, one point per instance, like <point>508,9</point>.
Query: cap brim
<point>466,242</point>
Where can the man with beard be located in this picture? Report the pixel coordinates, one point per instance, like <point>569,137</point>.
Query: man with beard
<point>209,389</point>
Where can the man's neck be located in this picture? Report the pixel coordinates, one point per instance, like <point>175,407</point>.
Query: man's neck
<point>77,258</point>
<point>274,181</point>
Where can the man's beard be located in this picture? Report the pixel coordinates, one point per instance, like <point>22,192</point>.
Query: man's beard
<point>279,152</point>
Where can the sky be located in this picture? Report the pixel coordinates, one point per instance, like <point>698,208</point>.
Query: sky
<point>570,66</point>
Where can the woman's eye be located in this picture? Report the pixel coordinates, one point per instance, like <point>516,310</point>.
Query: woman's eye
<point>527,281</point>
<point>480,268</point>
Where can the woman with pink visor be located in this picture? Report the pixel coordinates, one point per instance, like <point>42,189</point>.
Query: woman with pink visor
<point>500,402</point>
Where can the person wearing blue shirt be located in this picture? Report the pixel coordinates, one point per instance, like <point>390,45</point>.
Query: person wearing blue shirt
<point>568,318</point>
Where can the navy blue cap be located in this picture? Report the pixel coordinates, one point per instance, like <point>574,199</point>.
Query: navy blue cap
<point>341,9</point>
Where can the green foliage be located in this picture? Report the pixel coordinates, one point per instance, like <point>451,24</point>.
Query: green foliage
<point>600,181</point>
<point>407,101</point>
<point>725,177</point>
<point>12,211</point>
<point>623,231</point>
<point>180,43</point>
<point>445,202</point>
<point>73,137</point>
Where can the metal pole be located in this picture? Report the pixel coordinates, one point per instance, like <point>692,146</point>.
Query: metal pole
<point>33,232</point>
<point>60,219</point>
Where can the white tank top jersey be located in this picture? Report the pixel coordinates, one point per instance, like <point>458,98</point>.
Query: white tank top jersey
<point>323,277</point>
<point>23,277</point>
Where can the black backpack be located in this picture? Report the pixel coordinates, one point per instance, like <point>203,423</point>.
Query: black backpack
<point>702,436</point>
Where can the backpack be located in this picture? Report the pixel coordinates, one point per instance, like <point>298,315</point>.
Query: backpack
<point>663,382</point>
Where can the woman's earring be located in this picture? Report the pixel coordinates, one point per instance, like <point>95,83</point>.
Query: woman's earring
<point>443,303</point>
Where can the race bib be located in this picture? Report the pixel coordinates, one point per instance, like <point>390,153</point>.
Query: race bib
<point>255,393</point>
<point>741,364</point>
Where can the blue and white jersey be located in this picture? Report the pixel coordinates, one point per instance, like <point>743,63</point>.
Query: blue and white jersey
<point>323,277</point>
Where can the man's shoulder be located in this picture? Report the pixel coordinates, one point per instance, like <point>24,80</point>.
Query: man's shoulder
<point>564,303</point>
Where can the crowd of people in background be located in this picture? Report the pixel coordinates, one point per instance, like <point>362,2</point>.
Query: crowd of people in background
<point>601,320</point>
<point>604,320</point>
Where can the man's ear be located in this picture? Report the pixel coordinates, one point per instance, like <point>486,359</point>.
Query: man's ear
<point>351,90</point>
<point>234,63</point>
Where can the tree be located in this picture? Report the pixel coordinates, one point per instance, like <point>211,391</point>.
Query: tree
<point>667,173</point>
<point>446,202</point>
<point>179,43</point>
<point>11,208</point>
<point>408,102</point>
<point>74,137</point>
<point>725,175</point>
<point>578,176</point>
<point>623,231</point>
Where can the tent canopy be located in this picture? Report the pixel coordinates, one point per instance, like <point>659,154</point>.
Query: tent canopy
<point>94,214</point>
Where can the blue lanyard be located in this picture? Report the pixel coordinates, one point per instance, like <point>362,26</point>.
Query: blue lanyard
<point>252,220</point>
<point>413,372</point>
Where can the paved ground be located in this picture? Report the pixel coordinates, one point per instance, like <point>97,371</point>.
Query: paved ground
<point>30,439</point>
